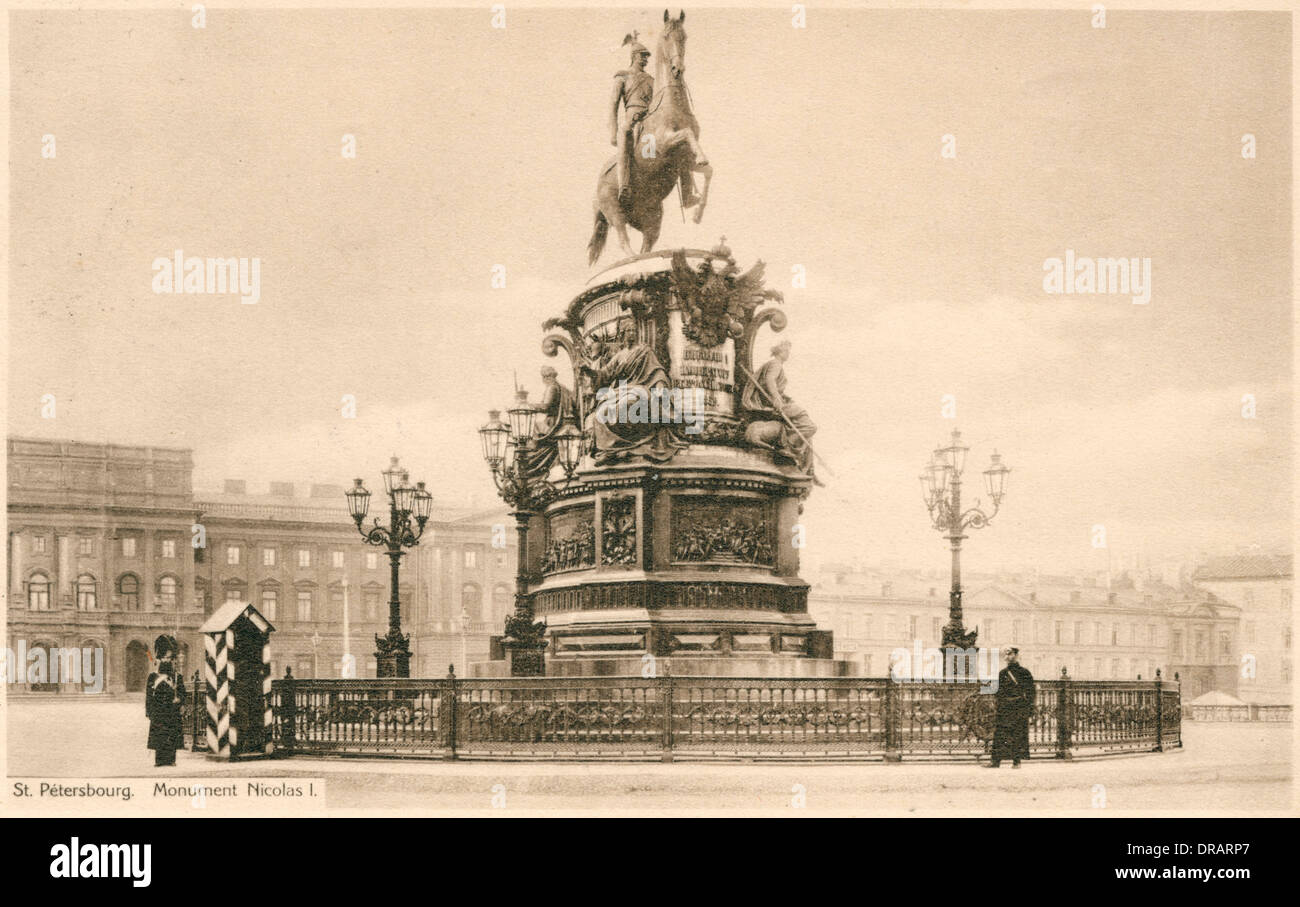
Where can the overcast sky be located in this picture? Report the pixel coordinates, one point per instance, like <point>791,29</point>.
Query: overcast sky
<point>479,147</point>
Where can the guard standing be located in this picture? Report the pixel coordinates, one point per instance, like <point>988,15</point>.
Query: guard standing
<point>163,708</point>
<point>1015,706</point>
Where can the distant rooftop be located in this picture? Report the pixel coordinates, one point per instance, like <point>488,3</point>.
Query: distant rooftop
<point>319,503</point>
<point>1245,566</point>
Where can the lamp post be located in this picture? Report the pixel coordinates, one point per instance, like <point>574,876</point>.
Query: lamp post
<point>510,452</point>
<point>393,651</point>
<point>941,488</point>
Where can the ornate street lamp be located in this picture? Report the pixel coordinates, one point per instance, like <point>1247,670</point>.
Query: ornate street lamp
<point>510,452</point>
<point>405,501</point>
<point>941,489</point>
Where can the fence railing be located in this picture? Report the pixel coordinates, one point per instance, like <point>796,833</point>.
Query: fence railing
<point>667,718</point>
<point>1243,712</point>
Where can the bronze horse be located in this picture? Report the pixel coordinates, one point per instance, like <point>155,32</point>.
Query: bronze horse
<point>668,150</point>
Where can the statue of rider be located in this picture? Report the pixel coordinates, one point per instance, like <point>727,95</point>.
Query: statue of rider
<point>634,88</point>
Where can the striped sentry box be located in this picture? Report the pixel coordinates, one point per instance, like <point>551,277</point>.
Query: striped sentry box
<point>220,669</point>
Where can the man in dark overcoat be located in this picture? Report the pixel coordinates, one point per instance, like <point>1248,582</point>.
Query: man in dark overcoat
<point>163,708</point>
<point>1015,706</point>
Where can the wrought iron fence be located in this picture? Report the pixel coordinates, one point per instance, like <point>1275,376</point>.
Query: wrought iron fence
<point>666,718</point>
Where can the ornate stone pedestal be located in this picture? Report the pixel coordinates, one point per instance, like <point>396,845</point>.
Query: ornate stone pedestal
<point>393,655</point>
<point>678,536</point>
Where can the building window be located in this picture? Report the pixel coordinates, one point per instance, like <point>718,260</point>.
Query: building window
<point>270,602</point>
<point>86,545</point>
<point>372,560</point>
<point>501,559</point>
<point>1250,597</point>
<point>128,547</point>
<point>304,604</point>
<point>1286,636</point>
<point>268,557</point>
<point>128,586</point>
<point>1114,634</point>
<point>1015,631</point>
<point>167,592</point>
<point>1057,630</point>
<point>471,558</point>
<point>1286,596</point>
<point>1078,633</point>
<point>336,605</point>
<point>911,627</point>
<point>1176,643</point>
<point>38,544</point>
<point>234,595</point>
<point>85,592</point>
<point>304,557</point>
<point>1225,643</point>
<point>1250,631</point>
<point>936,628</point>
<point>336,559</point>
<point>168,547</point>
<point>372,605</point>
<point>232,555</point>
<point>1151,634</point>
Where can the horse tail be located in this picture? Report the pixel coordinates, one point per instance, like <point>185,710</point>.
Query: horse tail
<point>598,234</point>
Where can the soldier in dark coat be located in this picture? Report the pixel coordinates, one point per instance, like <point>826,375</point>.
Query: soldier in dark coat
<point>162,705</point>
<point>1015,706</point>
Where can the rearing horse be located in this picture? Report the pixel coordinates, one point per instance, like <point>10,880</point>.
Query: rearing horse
<point>668,150</point>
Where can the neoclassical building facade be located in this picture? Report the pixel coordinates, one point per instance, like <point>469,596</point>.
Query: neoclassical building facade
<point>1123,630</point>
<point>109,546</point>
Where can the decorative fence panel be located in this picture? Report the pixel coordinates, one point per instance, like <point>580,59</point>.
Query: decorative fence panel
<point>723,717</point>
<point>192,715</point>
<point>360,717</point>
<point>666,718</point>
<point>558,717</point>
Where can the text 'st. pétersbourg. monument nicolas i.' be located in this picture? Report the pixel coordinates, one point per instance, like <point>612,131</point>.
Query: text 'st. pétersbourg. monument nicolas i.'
<point>658,489</point>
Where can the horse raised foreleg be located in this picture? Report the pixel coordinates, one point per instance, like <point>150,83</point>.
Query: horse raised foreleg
<point>687,136</point>
<point>707,170</point>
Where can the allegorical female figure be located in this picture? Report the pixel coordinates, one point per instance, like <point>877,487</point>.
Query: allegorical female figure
<point>557,407</point>
<point>782,425</point>
<point>163,692</point>
<point>633,413</point>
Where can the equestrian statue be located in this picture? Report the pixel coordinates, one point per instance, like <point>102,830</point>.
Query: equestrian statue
<point>658,145</point>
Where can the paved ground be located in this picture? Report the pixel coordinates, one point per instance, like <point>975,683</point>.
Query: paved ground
<point>1223,767</point>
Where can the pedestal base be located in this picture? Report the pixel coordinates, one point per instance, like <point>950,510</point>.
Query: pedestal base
<point>523,659</point>
<point>392,664</point>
